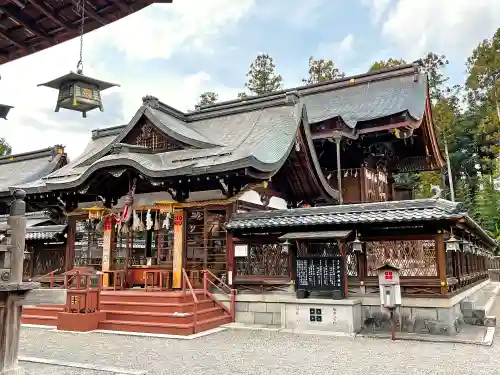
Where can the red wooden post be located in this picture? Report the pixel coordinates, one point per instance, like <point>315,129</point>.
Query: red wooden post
<point>51,279</point>
<point>99,289</point>
<point>233,304</point>
<point>87,293</point>
<point>205,281</point>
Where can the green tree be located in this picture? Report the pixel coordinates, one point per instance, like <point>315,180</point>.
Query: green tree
<point>206,98</point>
<point>322,70</point>
<point>385,64</point>
<point>486,204</point>
<point>262,77</point>
<point>242,95</point>
<point>483,97</point>
<point>434,65</point>
<point>5,148</point>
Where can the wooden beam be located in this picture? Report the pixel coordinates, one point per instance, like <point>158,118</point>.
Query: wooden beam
<point>15,42</point>
<point>29,24</point>
<point>123,7</point>
<point>41,7</point>
<point>94,15</point>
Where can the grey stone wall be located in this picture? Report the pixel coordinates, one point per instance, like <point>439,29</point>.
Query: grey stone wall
<point>261,313</point>
<point>46,297</point>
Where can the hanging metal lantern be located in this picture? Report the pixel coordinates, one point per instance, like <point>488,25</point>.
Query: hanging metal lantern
<point>465,246</point>
<point>285,247</point>
<point>76,91</point>
<point>452,244</point>
<point>4,110</point>
<point>357,245</point>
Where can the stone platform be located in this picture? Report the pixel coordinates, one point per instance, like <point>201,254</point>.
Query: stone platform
<point>363,313</point>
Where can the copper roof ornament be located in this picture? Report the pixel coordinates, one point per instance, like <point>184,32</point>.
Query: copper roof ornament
<point>4,109</point>
<point>76,91</point>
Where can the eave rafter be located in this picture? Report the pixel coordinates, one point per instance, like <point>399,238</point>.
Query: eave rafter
<point>33,25</point>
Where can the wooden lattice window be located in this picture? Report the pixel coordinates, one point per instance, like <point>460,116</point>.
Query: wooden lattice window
<point>412,257</point>
<point>264,260</point>
<point>149,137</point>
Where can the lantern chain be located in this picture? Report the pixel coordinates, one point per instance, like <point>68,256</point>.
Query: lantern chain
<point>80,7</point>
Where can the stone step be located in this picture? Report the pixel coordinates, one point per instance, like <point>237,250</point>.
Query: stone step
<point>183,318</point>
<point>477,309</point>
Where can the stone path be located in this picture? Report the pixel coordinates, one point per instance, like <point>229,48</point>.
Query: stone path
<point>256,352</point>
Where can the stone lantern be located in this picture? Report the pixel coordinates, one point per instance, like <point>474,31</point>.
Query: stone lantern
<point>78,92</point>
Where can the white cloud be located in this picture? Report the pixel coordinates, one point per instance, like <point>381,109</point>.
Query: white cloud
<point>338,51</point>
<point>452,27</point>
<point>377,8</point>
<point>160,30</point>
<point>32,124</point>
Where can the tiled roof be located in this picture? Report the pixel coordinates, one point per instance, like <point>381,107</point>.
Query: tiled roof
<point>18,169</point>
<point>395,211</point>
<point>45,232</point>
<point>349,214</point>
<point>255,132</point>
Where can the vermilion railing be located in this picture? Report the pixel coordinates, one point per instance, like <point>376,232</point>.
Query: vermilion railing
<point>222,287</point>
<point>186,281</point>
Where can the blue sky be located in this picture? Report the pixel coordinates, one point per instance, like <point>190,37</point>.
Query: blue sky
<point>177,51</point>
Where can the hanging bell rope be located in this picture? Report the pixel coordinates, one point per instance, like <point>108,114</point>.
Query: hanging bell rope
<point>80,8</point>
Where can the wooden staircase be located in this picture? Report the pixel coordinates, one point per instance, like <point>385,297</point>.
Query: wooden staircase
<point>148,312</point>
<point>183,312</point>
<point>41,315</point>
<point>160,312</point>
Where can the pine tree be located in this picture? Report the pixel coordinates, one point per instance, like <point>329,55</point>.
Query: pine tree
<point>322,70</point>
<point>206,98</point>
<point>262,76</point>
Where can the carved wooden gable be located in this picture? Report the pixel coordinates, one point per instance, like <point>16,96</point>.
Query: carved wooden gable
<point>147,135</point>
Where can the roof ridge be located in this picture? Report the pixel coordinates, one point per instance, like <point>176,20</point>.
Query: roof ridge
<point>30,155</point>
<point>359,207</point>
<point>406,69</point>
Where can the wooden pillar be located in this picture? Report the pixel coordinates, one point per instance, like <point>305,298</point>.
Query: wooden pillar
<point>230,246</point>
<point>178,251</point>
<point>107,249</point>
<point>338,139</point>
<point>343,253</point>
<point>441,261</point>
<point>70,244</point>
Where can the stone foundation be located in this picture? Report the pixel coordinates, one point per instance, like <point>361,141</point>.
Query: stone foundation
<point>436,321</point>
<point>438,316</point>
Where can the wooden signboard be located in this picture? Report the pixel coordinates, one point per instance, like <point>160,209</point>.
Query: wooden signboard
<point>320,273</point>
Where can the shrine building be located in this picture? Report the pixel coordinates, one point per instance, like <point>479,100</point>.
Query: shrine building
<point>158,201</point>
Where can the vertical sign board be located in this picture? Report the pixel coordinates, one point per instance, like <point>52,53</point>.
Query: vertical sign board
<point>178,245</point>
<point>106,249</point>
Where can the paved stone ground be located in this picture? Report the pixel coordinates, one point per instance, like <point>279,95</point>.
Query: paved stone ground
<point>257,352</point>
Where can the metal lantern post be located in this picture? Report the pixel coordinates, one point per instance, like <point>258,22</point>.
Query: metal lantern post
<point>76,91</point>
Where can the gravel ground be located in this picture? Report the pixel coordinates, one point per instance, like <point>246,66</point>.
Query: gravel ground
<point>258,352</point>
<point>37,369</point>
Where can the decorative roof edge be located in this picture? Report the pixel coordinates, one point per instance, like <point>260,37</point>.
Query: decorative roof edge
<point>31,155</point>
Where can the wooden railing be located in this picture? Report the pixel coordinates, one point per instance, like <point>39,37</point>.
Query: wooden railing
<point>222,287</point>
<point>187,282</point>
